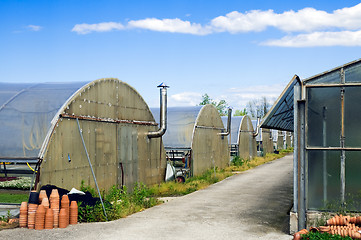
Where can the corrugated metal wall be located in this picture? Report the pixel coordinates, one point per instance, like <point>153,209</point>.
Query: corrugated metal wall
<point>247,143</point>
<point>208,148</point>
<point>107,109</point>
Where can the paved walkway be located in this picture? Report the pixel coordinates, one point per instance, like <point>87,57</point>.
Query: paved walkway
<point>250,205</point>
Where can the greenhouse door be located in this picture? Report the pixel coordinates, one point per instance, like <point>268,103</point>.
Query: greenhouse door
<point>127,148</point>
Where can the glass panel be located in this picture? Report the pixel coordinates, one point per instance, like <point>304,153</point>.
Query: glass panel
<point>323,164</point>
<point>324,116</point>
<point>353,179</point>
<point>353,74</point>
<point>333,77</point>
<point>352,117</point>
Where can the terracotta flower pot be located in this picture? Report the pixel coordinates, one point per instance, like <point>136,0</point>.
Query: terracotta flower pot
<point>40,218</point>
<point>73,211</point>
<point>62,218</point>
<point>31,215</point>
<point>49,219</point>
<point>42,195</point>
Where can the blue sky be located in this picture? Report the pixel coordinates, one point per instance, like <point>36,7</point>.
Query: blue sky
<point>232,50</point>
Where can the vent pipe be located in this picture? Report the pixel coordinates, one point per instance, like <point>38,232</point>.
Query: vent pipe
<point>163,113</point>
<point>228,123</point>
<point>255,134</point>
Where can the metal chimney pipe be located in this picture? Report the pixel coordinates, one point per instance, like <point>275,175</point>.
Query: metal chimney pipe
<point>163,113</point>
<point>228,123</point>
<point>255,134</point>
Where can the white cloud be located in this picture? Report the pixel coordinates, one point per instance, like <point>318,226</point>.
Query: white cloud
<point>169,25</point>
<point>97,27</point>
<point>313,27</point>
<point>235,97</point>
<point>34,28</point>
<point>304,20</point>
<point>317,39</point>
<point>185,99</point>
<point>240,96</point>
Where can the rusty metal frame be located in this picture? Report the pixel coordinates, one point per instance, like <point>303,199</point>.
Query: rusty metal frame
<point>108,120</point>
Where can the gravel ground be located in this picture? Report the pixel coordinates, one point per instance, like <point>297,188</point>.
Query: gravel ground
<point>250,205</point>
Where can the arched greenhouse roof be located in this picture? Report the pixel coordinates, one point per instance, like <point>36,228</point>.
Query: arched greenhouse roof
<point>180,125</point>
<point>26,112</point>
<point>235,127</point>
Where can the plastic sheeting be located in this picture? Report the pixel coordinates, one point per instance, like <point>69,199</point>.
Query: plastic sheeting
<point>180,126</point>
<point>25,115</point>
<point>235,127</point>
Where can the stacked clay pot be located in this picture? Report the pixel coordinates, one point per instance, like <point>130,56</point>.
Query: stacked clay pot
<point>42,195</point>
<point>54,205</point>
<point>343,225</point>
<point>45,202</point>
<point>65,205</point>
<point>23,218</point>
<point>63,222</point>
<point>31,215</point>
<point>73,218</point>
<point>40,218</point>
<point>49,219</point>
<point>339,220</point>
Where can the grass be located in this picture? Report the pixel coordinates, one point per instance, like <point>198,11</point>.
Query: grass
<point>210,177</point>
<point>118,203</point>
<point>13,197</point>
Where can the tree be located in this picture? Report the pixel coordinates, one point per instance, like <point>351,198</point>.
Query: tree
<point>240,112</point>
<point>221,105</point>
<point>258,107</point>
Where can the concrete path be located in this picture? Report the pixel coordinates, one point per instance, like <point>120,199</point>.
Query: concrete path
<point>250,205</point>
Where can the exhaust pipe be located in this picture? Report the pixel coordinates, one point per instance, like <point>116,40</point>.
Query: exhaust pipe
<point>228,123</point>
<point>255,134</point>
<point>163,113</point>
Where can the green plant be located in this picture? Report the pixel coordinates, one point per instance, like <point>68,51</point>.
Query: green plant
<point>20,183</point>
<point>88,189</point>
<point>118,203</point>
<point>238,161</point>
<point>6,217</point>
<point>322,236</point>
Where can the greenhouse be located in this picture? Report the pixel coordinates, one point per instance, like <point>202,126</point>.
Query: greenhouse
<point>71,129</point>
<point>281,139</point>
<point>241,139</point>
<point>323,112</point>
<point>194,137</point>
<point>264,140</point>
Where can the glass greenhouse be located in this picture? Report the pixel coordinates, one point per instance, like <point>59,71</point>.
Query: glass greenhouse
<point>323,113</point>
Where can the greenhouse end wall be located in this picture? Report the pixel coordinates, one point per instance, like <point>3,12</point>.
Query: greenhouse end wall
<point>334,131</point>
<point>114,121</point>
<point>209,149</point>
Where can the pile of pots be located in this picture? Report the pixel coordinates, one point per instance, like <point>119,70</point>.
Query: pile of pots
<point>340,225</point>
<point>41,213</point>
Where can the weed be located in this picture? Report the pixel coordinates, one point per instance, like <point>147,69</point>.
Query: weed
<point>323,236</point>
<point>118,203</point>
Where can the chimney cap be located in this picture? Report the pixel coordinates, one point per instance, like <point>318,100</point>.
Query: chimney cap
<point>163,85</point>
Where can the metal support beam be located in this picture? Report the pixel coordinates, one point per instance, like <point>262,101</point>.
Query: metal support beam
<point>297,97</point>
<point>91,168</point>
<point>302,167</point>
